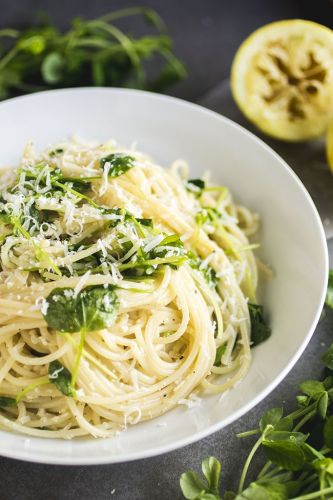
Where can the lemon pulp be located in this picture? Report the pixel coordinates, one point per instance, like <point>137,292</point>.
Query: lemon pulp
<point>282,79</point>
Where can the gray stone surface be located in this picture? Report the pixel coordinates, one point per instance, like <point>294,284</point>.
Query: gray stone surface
<point>207,33</point>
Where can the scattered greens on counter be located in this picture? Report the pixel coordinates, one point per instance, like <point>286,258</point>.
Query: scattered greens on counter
<point>93,52</point>
<point>298,447</point>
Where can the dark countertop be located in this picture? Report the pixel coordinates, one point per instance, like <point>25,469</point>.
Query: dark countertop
<point>206,33</point>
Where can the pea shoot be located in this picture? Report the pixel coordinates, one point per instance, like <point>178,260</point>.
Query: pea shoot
<point>298,448</point>
<point>91,52</point>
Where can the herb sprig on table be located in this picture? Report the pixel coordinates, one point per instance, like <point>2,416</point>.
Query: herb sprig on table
<point>298,448</point>
<point>92,52</point>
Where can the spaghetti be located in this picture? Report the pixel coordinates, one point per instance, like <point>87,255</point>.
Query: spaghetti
<point>124,290</point>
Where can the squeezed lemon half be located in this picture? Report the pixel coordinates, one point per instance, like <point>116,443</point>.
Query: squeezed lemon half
<point>282,79</point>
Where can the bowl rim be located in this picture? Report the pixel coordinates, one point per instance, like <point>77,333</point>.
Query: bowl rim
<point>38,457</point>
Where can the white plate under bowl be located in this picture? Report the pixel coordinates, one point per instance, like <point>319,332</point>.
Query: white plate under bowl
<point>292,240</point>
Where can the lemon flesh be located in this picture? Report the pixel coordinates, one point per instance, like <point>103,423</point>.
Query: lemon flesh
<point>282,79</point>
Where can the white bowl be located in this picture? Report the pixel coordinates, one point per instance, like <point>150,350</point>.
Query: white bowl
<point>292,240</point>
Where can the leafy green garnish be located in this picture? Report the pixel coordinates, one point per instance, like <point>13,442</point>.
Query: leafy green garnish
<point>260,331</point>
<point>61,378</point>
<point>299,465</point>
<point>208,214</point>
<point>312,388</point>
<point>329,293</point>
<point>145,222</point>
<point>271,417</point>
<point>328,358</point>
<point>193,487</point>
<point>41,256</point>
<point>99,307</point>
<point>170,246</point>
<point>328,432</point>
<point>6,401</point>
<point>118,164</point>
<point>91,309</point>
<point>264,491</point>
<point>56,152</point>
<point>285,453</point>
<point>91,52</point>
<point>63,313</point>
<point>196,186</point>
<point>208,273</point>
<point>219,353</point>
<point>29,223</point>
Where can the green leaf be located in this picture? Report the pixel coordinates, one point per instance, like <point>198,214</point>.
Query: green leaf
<point>117,163</point>
<point>312,388</point>
<point>5,401</point>
<point>302,401</point>
<point>325,464</point>
<point>62,313</point>
<point>270,491</point>
<point>199,183</point>
<point>295,437</point>
<point>285,424</point>
<point>145,222</point>
<point>153,18</point>
<point>52,68</point>
<point>219,353</point>
<point>34,44</point>
<point>173,240</point>
<point>270,417</point>
<point>328,382</point>
<point>286,454</point>
<point>191,485</point>
<point>211,469</point>
<point>207,272</point>
<point>99,307</point>
<point>293,488</point>
<point>196,186</point>
<point>260,331</point>
<point>311,453</point>
<point>329,293</point>
<point>92,309</point>
<point>56,152</point>
<point>328,432</point>
<point>322,405</point>
<point>90,53</point>
<point>328,355</point>
<point>61,378</point>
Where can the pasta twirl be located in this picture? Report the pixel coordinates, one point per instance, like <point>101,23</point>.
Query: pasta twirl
<point>124,290</point>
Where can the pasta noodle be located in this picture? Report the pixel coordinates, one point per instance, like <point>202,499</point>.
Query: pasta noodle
<point>167,260</point>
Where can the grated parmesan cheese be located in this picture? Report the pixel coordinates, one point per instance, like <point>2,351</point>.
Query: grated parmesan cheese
<point>81,284</point>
